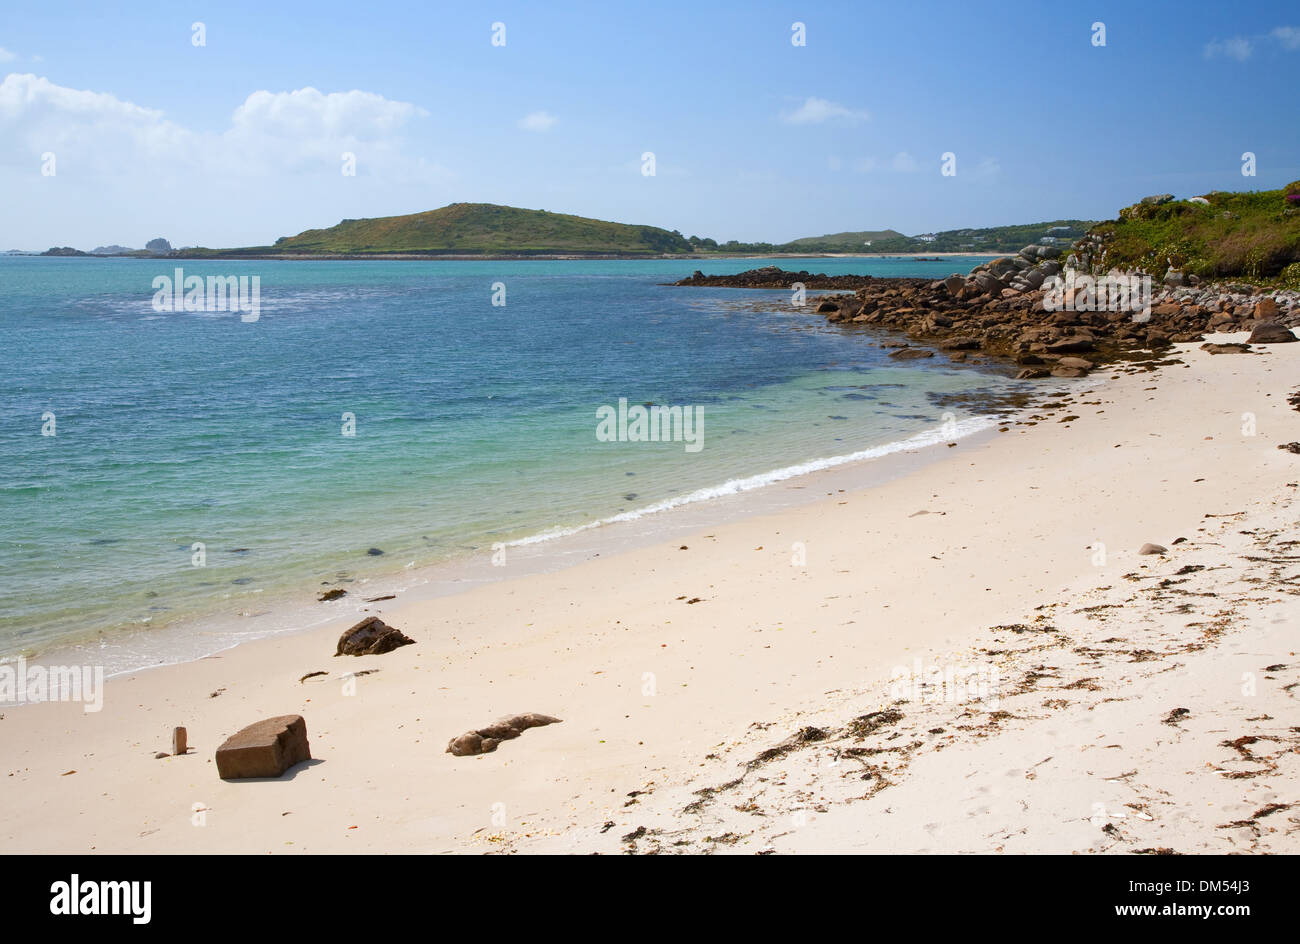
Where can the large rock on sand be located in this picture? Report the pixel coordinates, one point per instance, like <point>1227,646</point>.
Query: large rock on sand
<point>485,740</point>
<point>265,749</point>
<point>1270,332</point>
<point>371,637</point>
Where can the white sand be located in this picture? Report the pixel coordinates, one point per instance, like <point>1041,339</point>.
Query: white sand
<point>650,686</point>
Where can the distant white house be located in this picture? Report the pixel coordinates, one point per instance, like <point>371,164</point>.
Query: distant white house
<point>926,237</point>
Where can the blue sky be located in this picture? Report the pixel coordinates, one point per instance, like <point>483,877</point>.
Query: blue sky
<point>754,138</point>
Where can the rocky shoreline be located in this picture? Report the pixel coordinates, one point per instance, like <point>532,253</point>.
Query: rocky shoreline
<point>776,278</point>
<point>1004,309</point>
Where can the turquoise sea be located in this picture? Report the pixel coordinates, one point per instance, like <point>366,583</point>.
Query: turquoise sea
<point>474,424</point>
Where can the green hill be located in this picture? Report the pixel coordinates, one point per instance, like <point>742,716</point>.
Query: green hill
<point>473,228</point>
<point>1252,235</point>
<point>992,239</point>
<point>846,240</point>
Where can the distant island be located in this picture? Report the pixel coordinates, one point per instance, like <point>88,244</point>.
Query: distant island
<point>1253,235</point>
<point>488,230</point>
<point>469,229</point>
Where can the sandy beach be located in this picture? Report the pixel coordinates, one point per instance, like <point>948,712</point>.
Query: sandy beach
<point>738,690</point>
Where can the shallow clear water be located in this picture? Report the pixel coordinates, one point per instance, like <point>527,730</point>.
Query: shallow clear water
<point>474,424</point>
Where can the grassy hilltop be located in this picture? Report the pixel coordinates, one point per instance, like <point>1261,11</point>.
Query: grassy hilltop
<point>472,228</point>
<point>1247,235</point>
<point>845,241</point>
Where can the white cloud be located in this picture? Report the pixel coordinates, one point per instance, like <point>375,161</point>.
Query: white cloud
<point>100,133</point>
<point>1238,48</point>
<point>538,121</point>
<point>989,167</point>
<point>6,55</point>
<point>904,163</point>
<point>38,116</point>
<point>306,128</point>
<point>818,110</point>
<point>1288,36</point>
<point>900,163</point>
<point>309,113</point>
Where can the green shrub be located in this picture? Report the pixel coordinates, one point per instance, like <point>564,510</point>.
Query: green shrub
<point>1242,235</point>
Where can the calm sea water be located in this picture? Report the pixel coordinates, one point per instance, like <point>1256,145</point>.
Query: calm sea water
<point>474,424</point>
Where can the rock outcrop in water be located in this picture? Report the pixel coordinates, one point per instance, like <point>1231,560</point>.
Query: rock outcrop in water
<point>773,277</point>
<point>1003,309</point>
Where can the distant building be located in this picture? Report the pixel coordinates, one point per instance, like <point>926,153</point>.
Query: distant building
<point>926,237</point>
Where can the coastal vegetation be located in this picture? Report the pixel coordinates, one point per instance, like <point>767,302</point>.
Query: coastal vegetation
<point>1253,236</point>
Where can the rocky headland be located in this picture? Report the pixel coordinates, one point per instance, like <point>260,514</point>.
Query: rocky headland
<point>1019,308</point>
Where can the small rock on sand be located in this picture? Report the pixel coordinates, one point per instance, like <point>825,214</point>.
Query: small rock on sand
<point>371,637</point>
<point>1152,549</point>
<point>485,740</point>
